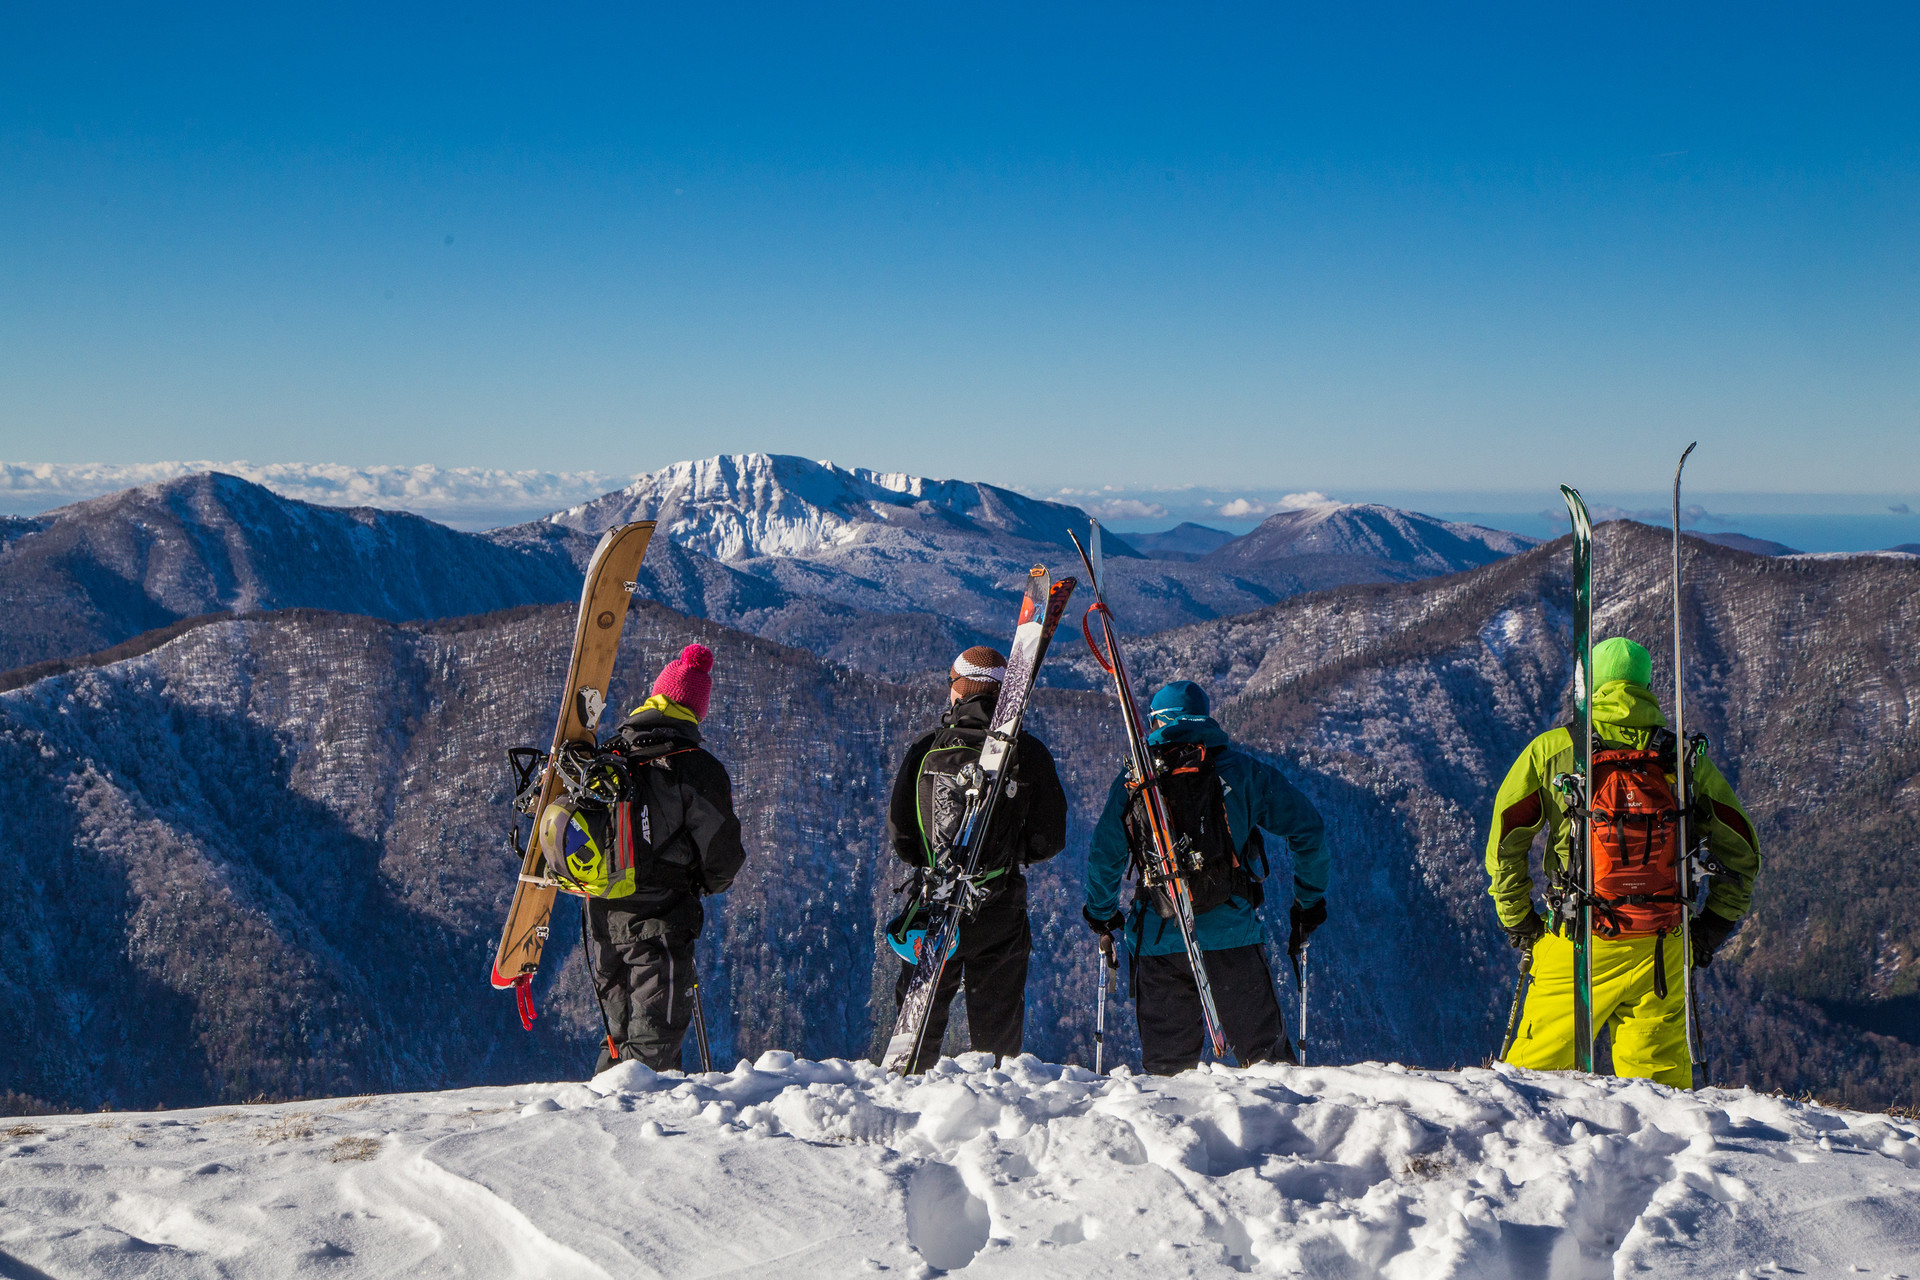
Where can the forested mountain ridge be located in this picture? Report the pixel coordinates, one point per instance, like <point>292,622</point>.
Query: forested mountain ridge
<point>287,833</point>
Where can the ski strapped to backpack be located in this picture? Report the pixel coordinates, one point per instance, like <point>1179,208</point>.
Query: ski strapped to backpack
<point>954,885</point>
<point>1186,776</point>
<point>1571,898</point>
<point>1161,851</point>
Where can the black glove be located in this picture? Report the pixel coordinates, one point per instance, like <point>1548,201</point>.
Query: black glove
<point>1710,929</point>
<point>1102,927</point>
<point>1522,936</point>
<point>1304,923</point>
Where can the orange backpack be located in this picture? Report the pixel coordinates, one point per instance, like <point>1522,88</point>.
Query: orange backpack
<point>1636,840</point>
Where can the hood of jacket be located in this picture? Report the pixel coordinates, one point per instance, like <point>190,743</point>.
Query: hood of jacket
<point>653,730</point>
<point>1628,706</point>
<point>972,712</point>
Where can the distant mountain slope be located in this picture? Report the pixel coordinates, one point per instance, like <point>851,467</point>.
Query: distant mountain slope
<point>1749,543</point>
<point>1337,543</point>
<point>93,574</point>
<point>1185,541</point>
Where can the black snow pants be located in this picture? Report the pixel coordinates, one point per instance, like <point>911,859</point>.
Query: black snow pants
<point>992,961</point>
<point>1172,1031</point>
<point>643,975</point>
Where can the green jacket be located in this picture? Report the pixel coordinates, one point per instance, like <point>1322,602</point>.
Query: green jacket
<point>1626,714</point>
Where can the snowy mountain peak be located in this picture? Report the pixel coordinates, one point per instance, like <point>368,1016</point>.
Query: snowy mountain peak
<point>736,506</point>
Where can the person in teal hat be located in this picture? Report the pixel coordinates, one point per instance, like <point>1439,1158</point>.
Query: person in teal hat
<point>1639,981</point>
<point>1220,799</point>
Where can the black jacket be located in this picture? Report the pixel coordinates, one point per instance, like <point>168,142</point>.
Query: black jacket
<point>1029,826</point>
<point>703,853</point>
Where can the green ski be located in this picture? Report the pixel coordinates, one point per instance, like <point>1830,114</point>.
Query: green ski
<point>1576,788</point>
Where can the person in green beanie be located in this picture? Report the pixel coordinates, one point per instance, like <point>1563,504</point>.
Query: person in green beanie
<point>1639,982</point>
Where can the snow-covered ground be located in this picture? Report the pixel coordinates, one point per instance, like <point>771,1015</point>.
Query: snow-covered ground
<point>797,1169</point>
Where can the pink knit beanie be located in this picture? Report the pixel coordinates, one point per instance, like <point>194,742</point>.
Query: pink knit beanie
<point>686,679</point>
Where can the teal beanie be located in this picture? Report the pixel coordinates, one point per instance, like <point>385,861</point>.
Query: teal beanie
<point>1181,700</point>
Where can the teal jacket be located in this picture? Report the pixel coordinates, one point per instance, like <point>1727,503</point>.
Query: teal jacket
<point>1257,795</point>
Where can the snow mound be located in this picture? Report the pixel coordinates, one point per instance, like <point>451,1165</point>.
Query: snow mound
<point>803,1169</point>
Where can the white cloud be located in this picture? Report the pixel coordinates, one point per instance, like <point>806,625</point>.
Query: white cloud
<point>1125,509</point>
<point>452,494</point>
<point>1245,508</point>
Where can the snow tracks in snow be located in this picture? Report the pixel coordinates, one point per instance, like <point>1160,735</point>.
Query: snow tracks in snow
<point>832,1169</point>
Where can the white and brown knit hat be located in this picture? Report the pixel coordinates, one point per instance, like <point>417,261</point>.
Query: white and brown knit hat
<point>978,670</point>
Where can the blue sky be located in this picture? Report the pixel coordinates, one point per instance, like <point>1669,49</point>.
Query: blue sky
<point>1353,250</point>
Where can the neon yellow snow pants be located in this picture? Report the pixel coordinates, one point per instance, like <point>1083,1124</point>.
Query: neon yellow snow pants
<point>1649,1033</point>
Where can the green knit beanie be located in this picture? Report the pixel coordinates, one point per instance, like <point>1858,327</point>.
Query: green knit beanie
<point>1621,659</point>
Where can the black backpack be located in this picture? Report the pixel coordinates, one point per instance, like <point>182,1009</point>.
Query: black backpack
<point>941,797</point>
<point>672,823</point>
<point>1196,806</point>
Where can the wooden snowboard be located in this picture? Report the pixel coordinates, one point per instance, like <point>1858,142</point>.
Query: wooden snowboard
<point>596,639</point>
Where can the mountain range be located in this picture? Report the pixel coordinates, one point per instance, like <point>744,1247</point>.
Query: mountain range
<point>267,856</point>
<point>890,573</point>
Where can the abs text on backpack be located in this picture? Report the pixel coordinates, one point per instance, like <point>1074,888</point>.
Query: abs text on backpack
<point>1636,839</point>
<point>1195,799</point>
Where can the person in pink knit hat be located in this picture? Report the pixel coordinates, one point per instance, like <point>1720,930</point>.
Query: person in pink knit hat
<point>641,946</point>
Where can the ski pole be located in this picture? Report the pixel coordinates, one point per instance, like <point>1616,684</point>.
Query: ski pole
<point>700,1023</point>
<point>1519,1001</point>
<point>1682,788</point>
<point>1300,971</point>
<point>1109,970</point>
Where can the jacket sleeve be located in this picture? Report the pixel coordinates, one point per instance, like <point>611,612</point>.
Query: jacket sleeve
<point>1108,857</point>
<point>1519,811</point>
<point>1280,807</point>
<point>1046,832</point>
<point>1732,841</point>
<point>722,855</point>
<point>903,809</point>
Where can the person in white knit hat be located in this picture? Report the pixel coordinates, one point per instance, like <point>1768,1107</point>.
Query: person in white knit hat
<point>1029,826</point>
